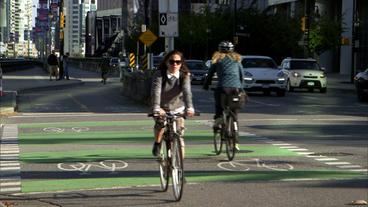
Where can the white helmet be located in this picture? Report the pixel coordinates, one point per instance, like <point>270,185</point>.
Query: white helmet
<point>226,46</point>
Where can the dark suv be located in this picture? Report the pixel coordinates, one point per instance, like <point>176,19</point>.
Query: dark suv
<point>361,85</point>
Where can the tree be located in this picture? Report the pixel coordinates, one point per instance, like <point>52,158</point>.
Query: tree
<point>324,35</point>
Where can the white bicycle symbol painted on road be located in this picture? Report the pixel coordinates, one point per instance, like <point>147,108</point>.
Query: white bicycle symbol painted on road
<point>60,130</point>
<point>245,165</point>
<point>108,165</point>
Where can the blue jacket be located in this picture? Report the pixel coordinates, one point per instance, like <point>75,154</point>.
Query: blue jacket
<point>229,73</point>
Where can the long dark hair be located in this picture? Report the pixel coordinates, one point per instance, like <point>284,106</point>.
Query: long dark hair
<point>183,69</point>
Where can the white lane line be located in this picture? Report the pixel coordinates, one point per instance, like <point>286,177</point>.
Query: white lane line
<point>9,151</point>
<point>350,166</point>
<point>281,144</point>
<point>303,151</point>
<point>15,189</point>
<point>9,164</point>
<point>327,159</point>
<point>299,149</point>
<point>338,163</point>
<point>289,147</point>
<point>10,184</point>
<point>359,170</point>
<point>10,168</point>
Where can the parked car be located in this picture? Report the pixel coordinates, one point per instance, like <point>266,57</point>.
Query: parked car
<point>262,74</point>
<point>361,85</point>
<point>156,60</point>
<point>114,63</point>
<point>304,73</point>
<point>198,70</point>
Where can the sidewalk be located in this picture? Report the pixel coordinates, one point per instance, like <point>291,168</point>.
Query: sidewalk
<point>36,79</point>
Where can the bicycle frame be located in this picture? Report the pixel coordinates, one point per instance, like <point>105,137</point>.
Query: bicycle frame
<point>171,157</point>
<point>227,133</point>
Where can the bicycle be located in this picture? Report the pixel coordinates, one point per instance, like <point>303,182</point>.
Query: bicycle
<point>171,156</point>
<point>228,131</point>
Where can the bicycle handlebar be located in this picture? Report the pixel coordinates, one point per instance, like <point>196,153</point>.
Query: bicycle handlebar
<point>170,114</point>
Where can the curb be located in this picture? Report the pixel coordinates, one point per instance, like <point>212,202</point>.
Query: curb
<point>10,103</point>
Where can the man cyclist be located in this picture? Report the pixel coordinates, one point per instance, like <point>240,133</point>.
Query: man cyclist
<point>226,64</point>
<point>171,91</point>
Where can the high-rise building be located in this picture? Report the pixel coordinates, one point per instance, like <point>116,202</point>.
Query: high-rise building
<point>75,25</point>
<point>19,27</point>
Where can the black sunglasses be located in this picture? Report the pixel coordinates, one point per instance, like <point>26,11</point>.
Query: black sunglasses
<point>178,62</point>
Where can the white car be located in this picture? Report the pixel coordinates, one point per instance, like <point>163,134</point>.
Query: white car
<point>304,73</point>
<point>262,74</point>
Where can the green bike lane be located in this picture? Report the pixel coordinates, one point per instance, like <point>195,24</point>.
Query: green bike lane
<point>62,156</point>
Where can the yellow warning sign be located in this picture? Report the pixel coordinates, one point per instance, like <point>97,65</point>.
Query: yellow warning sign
<point>147,37</point>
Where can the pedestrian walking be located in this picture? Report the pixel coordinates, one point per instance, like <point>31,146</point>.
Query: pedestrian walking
<point>104,67</point>
<point>65,65</point>
<point>52,62</point>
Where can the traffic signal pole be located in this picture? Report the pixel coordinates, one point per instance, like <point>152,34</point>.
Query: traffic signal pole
<point>61,26</point>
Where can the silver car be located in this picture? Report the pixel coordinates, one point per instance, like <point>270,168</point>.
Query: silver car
<point>262,74</point>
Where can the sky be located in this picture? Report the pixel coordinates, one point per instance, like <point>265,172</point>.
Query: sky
<point>34,11</point>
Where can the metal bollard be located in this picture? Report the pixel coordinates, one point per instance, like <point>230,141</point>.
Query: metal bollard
<point>1,82</point>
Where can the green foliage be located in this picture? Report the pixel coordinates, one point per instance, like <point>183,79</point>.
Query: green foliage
<point>325,35</point>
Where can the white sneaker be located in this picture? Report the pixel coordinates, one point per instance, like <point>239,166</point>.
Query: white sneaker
<point>237,148</point>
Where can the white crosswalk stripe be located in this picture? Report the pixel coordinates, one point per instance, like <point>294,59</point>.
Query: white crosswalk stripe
<point>10,181</point>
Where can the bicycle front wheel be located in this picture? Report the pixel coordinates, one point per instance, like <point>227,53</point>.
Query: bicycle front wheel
<point>164,165</point>
<point>230,138</point>
<point>217,140</point>
<point>177,169</point>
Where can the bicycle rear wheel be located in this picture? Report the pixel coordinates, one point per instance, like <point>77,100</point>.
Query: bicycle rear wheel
<point>217,140</point>
<point>230,138</point>
<point>164,165</point>
<point>177,169</point>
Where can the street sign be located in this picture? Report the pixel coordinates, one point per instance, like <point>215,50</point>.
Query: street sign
<point>168,25</point>
<point>147,37</point>
<point>168,18</point>
<point>168,6</point>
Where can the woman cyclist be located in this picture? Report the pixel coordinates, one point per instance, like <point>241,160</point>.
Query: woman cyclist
<point>226,63</point>
<point>171,91</point>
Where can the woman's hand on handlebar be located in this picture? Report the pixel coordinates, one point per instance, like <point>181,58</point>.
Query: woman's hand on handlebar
<point>161,112</point>
<point>189,112</point>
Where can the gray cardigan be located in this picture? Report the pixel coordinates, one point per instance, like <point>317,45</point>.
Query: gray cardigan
<point>172,94</point>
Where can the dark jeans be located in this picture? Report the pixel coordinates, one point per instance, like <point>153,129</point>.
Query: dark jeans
<point>218,106</point>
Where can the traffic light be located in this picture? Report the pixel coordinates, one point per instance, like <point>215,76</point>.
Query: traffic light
<point>62,20</point>
<point>303,23</point>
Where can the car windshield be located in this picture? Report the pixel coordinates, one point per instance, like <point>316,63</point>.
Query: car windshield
<point>114,60</point>
<point>258,63</point>
<point>196,65</point>
<point>303,65</point>
<point>157,60</point>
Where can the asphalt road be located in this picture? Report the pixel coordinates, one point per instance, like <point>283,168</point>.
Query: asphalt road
<point>319,135</point>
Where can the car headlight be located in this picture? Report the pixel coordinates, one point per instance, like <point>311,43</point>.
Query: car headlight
<point>323,75</point>
<point>248,76</point>
<point>295,74</point>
